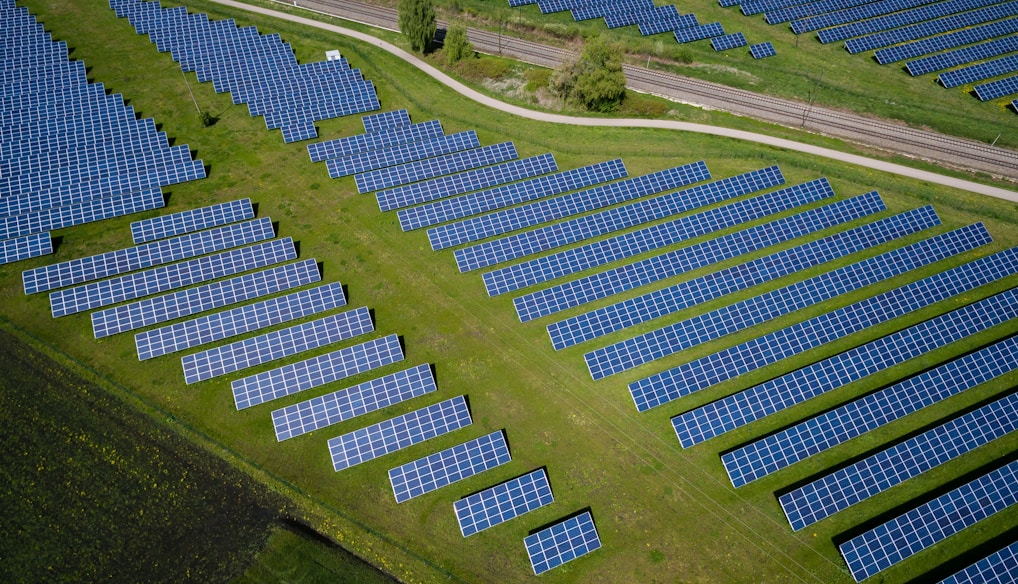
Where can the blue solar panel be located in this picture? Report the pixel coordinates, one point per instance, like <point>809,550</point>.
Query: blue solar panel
<point>948,41</point>
<point>633,311</point>
<point>562,542</point>
<point>762,50</point>
<point>192,220</point>
<point>1000,567</point>
<point>317,371</point>
<point>503,502</point>
<point>728,41</point>
<point>656,14</point>
<point>817,15</point>
<point>430,168</point>
<point>556,208</point>
<point>161,279</point>
<point>650,238</point>
<point>978,72</point>
<point>400,154</point>
<point>515,3</point>
<point>815,435</point>
<point>276,345</point>
<point>587,11</point>
<point>397,433</point>
<point>433,472</point>
<point>666,22</point>
<point>25,247</point>
<point>699,32</point>
<point>385,120</point>
<point>511,194</point>
<point>962,56</point>
<point>80,213</point>
<point>930,28</point>
<point>448,186</point>
<point>889,467</point>
<point>886,19</point>
<point>619,218</point>
<point>673,263</point>
<point>999,88</point>
<point>350,145</point>
<point>798,386</point>
<point>164,308</point>
<point>342,405</point>
<point>921,527</point>
<point>146,256</point>
<point>753,7</point>
<point>810,334</point>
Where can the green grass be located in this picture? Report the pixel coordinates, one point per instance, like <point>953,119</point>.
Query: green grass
<point>664,514</point>
<point>292,556</point>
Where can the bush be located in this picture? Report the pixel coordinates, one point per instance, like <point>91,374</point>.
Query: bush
<point>643,106</point>
<point>595,81</point>
<point>537,78</point>
<point>483,68</point>
<point>456,46</point>
<point>417,23</point>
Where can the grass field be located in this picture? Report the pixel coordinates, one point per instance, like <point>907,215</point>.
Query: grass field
<point>664,514</point>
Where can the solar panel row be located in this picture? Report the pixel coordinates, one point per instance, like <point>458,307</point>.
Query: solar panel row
<point>699,32</point>
<point>25,247</point>
<point>397,433</point>
<point>825,431</point>
<point>962,56</point>
<point>979,71</point>
<point>728,41</point>
<point>433,472</point>
<point>998,88</point>
<point>585,11</point>
<point>667,23</point>
<point>798,386</point>
<point>562,542</point>
<point>401,153</point>
<point>950,40</point>
<point>817,15</point>
<point>80,213</point>
<point>929,28</point>
<point>650,238</point>
<point>886,20</point>
<point>762,50</point>
<point>191,220</point>
<point>666,13</point>
<point>351,145</point>
<point>503,502</point>
<point>999,567</point>
<point>393,176</point>
<point>385,120</point>
<point>673,263</point>
<point>339,406</point>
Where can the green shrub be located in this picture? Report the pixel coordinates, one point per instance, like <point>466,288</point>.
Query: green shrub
<point>537,78</point>
<point>456,46</point>
<point>482,68</point>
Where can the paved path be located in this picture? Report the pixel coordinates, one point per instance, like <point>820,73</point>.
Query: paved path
<point>636,123</point>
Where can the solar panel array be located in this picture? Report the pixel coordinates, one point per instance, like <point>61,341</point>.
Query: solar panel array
<point>947,41</point>
<point>503,502</point>
<point>921,527</point>
<point>402,153</point>
<point>397,433</point>
<point>978,72</point>
<point>998,88</point>
<point>798,386</point>
<point>728,41</point>
<point>191,220</point>
<point>339,406</point>
<point>668,23</point>
<point>817,434</point>
<point>456,184</point>
<point>950,59</point>
<point>546,210</point>
<point>650,238</point>
<point>147,255</point>
<point>80,213</point>
<point>668,13</point>
<point>433,472</point>
<point>259,70</point>
<point>387,138</point>
<point>639,309</point>
<point>884,21</point>
<point>276,345</point>
<point>25,247</point>
<point>929,28</point>
<point>599,10</point>
<point>315,372</point>
<point>762,50</point>
<point>673,263</point>
<point>837,324</point>
<point>562,542</point>
<point>999,567</point>
<point>892,466</point>
<point>164,278</point>
<point>699,32</point>
<point>383,121</point>
<point>392,176</point>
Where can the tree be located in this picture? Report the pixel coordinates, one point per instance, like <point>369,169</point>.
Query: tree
<point>456,46</point>
<point>595,81</point>
<point>417,23</point>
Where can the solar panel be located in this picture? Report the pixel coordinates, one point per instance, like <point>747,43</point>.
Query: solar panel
<point>884,20</point>
<point>80,213</point>
<point>616,219</point>
<point>815,435</point>
<point>164,278</point>
<point>762,50</point>
<point>930,28</point>
<point>25,247</point>
<point>656,304</point>
<point>817,15</point>
<point>978,72</point>
<point>584,11</point>
<point>947,41</point>
<point>562,542</point>
<point>728,41</point>
<point>650,238</point>
<point>462,461</point>
<point>668,23</point>
<point>191,220</point>
<point>919,528</point>
<point>828,327</point>
<point>400,154</point>
<point>164,308</point>
<point>666,13</point>
<point>798,386</point>
<point>1000,567</point>
<point>448,186</point>
<point>699,32</point>
<point>146,256</point>
<point>999,88</point>
<point>385,120</point>
<point>503,502</point>
<point>563,206</point>
<point>511,194</point>
<point>397,433</point>
<point>276,345</point>
<point>962,56</point>
<point>673,263</point>
<point>433,167</point>
<point>350,145</point>
<point>315,372</point>
<point>342,405</point>
<point>887,468</point>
